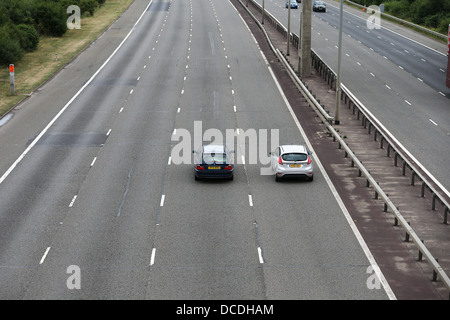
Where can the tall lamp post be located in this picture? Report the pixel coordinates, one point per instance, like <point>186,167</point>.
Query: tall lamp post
<point>263,10</point>
<point>289,27</point>
<point>338,82</point>
<point>304,53</point>
<point>448,58</point>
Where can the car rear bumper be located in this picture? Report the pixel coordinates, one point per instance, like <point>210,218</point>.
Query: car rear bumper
<point>305,172</point>
<point>214,175</point>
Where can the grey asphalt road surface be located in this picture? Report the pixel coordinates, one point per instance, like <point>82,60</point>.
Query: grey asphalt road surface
<point>100,193</point>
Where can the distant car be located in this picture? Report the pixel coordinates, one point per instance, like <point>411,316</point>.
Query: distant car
<point>319,6</point>
<point>213,161</point>
<point>294,4</point>
<point>292,161</point>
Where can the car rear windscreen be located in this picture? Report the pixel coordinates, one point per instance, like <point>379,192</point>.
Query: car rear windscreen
<point>294,157</point>
<point>214,158</point>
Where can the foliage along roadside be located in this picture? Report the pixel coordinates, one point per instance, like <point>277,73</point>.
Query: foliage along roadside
<point>23,22</point>
<point>433,14</point>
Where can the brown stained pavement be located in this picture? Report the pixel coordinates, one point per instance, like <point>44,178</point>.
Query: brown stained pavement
<point>409,278</point>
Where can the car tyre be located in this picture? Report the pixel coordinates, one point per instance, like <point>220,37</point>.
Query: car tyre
<point>196,178</point>
<point>311,178</point>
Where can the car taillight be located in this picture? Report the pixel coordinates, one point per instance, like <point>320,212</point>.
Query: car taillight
<point>227,167</point>
<point>200,167</point>
<point>309,160</point>
<point>280,161</point>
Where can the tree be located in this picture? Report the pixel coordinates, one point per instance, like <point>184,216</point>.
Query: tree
<point>51,19</point>
<point>10,49</point>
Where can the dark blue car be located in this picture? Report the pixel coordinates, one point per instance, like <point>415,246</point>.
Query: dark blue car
<point>213,161</point>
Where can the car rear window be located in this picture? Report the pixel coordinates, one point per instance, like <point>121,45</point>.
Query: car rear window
<point>294,156</point>
<point>214,157</point>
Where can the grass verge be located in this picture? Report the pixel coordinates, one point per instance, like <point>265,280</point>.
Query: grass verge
<point>37,67</point>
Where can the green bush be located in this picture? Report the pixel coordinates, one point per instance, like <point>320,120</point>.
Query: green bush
<point>88,6</point>
<point>399,9</point>
<point>28,37</point>
<point>443,25</point>
<point>10,49</point>
<point>51,19</point>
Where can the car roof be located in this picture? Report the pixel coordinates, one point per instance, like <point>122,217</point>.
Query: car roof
<point>214,148</point>
<point>293,148</point>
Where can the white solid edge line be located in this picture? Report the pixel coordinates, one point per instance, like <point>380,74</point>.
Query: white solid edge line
<point>341,204</point>
<point>32,144</point>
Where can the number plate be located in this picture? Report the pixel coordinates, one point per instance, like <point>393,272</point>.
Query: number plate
<point>295,165</point>
<point>214,168</point>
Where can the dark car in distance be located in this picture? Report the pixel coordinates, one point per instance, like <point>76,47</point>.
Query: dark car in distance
<point>213,161</point>
<point>319,6</point>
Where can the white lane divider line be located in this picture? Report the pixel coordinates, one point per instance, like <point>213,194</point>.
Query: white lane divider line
<point>73,201</point>
<point>250,200</point>
<point>44,256</point>
<point>261,259</point>
<point>161,204</point>
<point>93,161</point>
<point>433,122</point>
<point>152,257</point>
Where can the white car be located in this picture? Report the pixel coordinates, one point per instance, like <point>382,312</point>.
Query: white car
<point>292,161</point>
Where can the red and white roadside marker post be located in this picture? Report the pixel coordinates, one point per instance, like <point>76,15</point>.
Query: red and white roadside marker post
<point>11,79</point>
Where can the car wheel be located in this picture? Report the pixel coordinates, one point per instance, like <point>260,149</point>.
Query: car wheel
<point>196,178</point>
<point>276,178</point>
<point>231,178</point>
<point>311,178</point>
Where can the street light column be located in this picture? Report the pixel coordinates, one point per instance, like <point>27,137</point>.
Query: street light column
<point>289,27</point>
<point>304,65</point>
<point>338,82</point>
<point>263,10</point>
